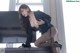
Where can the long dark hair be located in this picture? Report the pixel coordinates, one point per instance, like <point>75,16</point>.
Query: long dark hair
<point>23,6</point>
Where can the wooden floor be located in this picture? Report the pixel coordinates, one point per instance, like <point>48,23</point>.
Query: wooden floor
<point>25,50</point>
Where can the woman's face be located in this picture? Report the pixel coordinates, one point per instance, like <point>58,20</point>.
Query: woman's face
<point>25,12</point>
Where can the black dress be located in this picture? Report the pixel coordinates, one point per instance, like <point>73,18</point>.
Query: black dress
<point>46,18</point>
<point>42,28</point>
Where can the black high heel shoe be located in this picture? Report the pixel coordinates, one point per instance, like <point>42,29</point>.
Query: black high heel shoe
<point>56,44</point>
<point>26,45</point>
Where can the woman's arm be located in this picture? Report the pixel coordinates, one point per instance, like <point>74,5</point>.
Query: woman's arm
<point>45,17</point>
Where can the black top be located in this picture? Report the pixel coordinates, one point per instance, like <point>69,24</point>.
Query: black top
<point>38,15</point>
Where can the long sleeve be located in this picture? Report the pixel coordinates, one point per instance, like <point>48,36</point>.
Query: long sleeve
<point>45,17</point>
<point>47,21</point>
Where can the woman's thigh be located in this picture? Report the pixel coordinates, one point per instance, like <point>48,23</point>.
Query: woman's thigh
<point>49,35</point>
<point>43,38</point>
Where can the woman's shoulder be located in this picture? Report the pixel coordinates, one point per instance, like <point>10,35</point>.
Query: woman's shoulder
<point>38,11</point>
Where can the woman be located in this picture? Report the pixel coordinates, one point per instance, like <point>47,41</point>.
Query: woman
<point>33,21</point>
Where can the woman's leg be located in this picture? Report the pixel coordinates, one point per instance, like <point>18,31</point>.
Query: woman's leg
<point>42,39</point>
<point>47,36</point>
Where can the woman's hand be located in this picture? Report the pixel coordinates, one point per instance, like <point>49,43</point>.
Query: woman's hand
<point>40,22</point>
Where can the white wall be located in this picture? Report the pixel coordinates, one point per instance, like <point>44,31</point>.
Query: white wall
<point>71,12</point>
<point>4,6</point>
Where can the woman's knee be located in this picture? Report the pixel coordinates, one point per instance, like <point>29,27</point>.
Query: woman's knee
<point>54,30</point>
<point>37,44</point>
